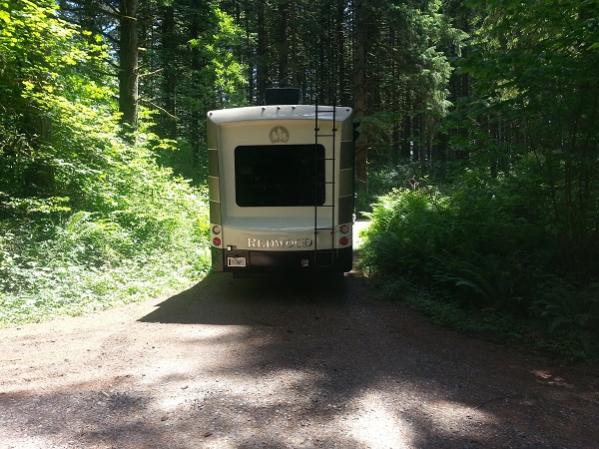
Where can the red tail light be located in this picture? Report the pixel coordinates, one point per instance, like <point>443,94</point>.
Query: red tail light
<point>216,241</point>
<point>343,241</point>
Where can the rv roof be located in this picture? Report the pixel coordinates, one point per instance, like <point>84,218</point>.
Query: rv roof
<point>284,112</point>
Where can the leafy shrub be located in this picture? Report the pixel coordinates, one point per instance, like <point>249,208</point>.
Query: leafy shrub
<point>87,219</point>
<point>407,231</point>
<point>488,244</point>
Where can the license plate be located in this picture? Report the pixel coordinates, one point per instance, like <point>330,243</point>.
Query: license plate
<point>236,261</point>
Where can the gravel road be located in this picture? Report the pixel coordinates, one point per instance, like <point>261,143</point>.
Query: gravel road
<point>281,363</point>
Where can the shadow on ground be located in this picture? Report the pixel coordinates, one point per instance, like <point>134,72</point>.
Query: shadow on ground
<point>422,387</point>
<point>281,362</point>
<point>222,299</point>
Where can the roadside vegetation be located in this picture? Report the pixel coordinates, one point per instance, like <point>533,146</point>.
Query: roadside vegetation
<point>504,239</point>
<point>88,218</point>
<point>474,259</point>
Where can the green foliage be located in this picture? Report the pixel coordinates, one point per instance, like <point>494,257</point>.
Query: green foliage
<point>513,231</point>
<point>488,245</point>
<point>381,181</point>
<point>536,97</point>
<point>226,71</point>
<point>86,219</point>
<point>411,66</point>
<point>399,222</point>
<point>569,344</point>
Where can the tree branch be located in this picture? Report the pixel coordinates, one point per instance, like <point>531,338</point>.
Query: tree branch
<point>151,73</point>
<point>112,8</point>
<point>109,37</point>
<point>174,117</point>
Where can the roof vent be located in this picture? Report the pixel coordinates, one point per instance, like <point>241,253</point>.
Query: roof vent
<point>282,95</point>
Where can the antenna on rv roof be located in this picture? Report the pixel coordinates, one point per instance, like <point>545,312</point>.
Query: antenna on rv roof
<point>282,95</point>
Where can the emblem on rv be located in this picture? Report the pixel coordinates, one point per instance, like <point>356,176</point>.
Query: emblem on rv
<point>279,134</point>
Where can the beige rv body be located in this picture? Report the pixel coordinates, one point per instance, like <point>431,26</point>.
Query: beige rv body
<point>284,229</point>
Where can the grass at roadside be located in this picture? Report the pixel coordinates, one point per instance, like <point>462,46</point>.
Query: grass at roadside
<point>77,289</point>
<point>89,215</point>
<point>571,345</point>
<point>91,261</point>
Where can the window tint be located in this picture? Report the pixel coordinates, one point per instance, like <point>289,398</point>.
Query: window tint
<point>279,175</point>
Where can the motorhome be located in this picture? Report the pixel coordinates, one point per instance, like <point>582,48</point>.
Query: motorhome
<point>281,186</point>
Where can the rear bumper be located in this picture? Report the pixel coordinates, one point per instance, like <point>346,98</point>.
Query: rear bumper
<point>337,260</point>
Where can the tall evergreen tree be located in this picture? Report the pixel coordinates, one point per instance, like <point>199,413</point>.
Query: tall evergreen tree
<point>128,62</point>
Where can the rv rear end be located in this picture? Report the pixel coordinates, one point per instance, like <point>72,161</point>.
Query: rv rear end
<point>281,188</point>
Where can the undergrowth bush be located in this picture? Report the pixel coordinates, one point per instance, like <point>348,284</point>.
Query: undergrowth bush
<point>486,245</point>
<point>87,218</point>
<point>144,238</point>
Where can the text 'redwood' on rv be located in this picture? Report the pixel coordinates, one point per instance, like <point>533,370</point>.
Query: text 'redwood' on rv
<point>281,182</point>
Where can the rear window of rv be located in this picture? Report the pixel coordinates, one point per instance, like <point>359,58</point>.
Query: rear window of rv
<point>279,175</point>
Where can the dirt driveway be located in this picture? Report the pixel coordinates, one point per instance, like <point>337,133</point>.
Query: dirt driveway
<point>280,364</point>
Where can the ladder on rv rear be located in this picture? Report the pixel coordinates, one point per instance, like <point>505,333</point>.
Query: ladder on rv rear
<point>332,139</point>
<point>329,184</point>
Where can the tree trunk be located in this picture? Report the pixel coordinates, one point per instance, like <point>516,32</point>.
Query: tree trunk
<point>360,82</point>
<point>283,43</point>
<point>251,63</point>
<point>128,59</point>
<point>196,66</point>
<point>344,97</point>
<point>169,81</point>
<point>261,66</point>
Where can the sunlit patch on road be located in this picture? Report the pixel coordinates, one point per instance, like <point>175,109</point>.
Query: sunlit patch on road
<point>451,416</point>
<point>377,425</point>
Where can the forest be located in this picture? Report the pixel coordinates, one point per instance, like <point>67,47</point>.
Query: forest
<point>477,149</point>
